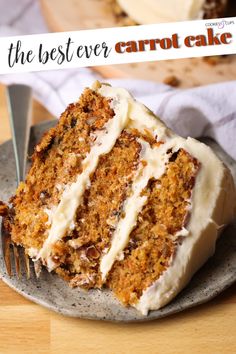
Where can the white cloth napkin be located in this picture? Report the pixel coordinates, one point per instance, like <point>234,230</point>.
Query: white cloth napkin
<point>203,111</point>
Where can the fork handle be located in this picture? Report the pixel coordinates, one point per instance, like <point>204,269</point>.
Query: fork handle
<point>19,99</point>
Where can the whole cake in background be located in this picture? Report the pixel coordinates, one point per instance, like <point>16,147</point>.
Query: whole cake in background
<point>156,11</point>
<point>116,199</point>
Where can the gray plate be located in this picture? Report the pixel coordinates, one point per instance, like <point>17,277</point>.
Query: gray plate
<point>52,292</point>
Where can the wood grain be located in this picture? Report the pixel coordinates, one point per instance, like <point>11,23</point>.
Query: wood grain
<point>27,328</point>
<point>4,122</point>
<point>73,15</point>
<point>39,114</point>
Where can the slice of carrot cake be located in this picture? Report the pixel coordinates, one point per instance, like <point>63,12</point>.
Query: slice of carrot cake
<point>115,199</point>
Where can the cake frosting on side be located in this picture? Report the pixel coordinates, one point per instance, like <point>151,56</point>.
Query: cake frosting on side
<point>210,212</point>
<point>116,199</point>
<point>156,11</point>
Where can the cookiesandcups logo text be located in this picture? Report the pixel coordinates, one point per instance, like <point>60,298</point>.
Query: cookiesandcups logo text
<point>220,24</point>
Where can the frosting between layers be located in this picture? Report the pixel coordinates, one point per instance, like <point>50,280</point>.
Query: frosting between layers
<point>155,166</point>
<point>154,11</point>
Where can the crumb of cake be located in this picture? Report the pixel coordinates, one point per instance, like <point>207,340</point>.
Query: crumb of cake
<point>172,80</point>
<point>3,209</point>
<point>216,60</point>
<point>213,60</point>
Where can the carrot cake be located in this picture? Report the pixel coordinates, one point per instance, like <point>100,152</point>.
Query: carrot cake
<point>116,199</point>
<point>156,11</point>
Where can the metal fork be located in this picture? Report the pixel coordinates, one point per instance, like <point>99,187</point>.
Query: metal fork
<point>19,98</point>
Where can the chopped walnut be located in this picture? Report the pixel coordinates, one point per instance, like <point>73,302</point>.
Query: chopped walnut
<point>83,257</point>
<point>92,252</point>
<point>85,281</point>
<point>91,120</point>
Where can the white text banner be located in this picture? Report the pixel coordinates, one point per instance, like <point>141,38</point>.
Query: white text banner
<point>117,45</point>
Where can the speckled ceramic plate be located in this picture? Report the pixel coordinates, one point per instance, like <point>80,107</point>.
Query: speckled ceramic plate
<point>52,292</point>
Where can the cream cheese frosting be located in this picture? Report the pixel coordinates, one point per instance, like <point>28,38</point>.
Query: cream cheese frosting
<point>213,202</point>
<point>155,11</point>
<point>209,212</point>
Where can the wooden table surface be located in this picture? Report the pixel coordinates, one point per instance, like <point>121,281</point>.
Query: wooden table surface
<point>29,328</point>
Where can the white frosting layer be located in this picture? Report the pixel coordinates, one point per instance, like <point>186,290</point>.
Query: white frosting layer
<point>156,160</point>
<point>155,11</point>
<point>213,206</point>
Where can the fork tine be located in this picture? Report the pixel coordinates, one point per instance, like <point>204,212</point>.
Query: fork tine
<point>20,256</point>
<point>19,106</point>
<point>37,268</point>
<point>17,261</point>
<point>7,254</point>
<point>27,265</point>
